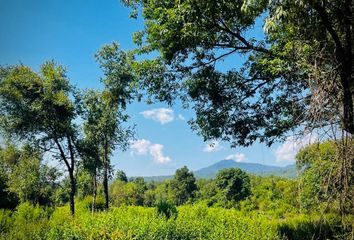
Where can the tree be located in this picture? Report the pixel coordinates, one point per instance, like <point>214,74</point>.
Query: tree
<point>7,199</point>
<point>91,162</point>
<point>40,108</point>
<point>27,177</point>
<point>121,176</point>
<point>183,185</point>
<point>320,182</point>
<point>298,71</point>
<point>131,193</point>
<point>119,91</point>
<point>208,192</point>
<point>234,184</point>
<point>104,131</point>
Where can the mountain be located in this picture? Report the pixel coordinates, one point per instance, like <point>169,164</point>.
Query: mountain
<point>252,168</point>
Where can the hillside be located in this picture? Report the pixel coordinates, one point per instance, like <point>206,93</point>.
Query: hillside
<point>252,168</point>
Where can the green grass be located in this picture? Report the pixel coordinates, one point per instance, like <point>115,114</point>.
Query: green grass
<point>192,222</point>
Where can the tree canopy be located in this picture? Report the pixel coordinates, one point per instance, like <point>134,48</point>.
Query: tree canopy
<point>183,185</point>
<point>234,184</point>
<point>41,108</point>
<point>297,74</point>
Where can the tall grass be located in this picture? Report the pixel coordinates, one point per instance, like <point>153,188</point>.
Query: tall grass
<point>132,222</point>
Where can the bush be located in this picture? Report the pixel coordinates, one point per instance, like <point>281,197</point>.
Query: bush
<point>139,223</point>
<point>86,203</point>
<point>166,209</point>
<point>28,222</point>
<point>305,227</point>
<point>6,220</point>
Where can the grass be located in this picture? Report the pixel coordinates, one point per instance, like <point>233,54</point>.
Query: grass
<point>132,222</point>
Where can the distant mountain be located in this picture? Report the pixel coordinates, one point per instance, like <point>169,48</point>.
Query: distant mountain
<point>252,168</point>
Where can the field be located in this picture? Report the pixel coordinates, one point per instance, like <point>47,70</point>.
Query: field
<point>134,222</point>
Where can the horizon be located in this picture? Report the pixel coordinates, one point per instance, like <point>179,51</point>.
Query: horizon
<point>242,163</point>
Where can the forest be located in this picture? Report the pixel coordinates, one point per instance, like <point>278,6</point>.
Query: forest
<point>295,78</point>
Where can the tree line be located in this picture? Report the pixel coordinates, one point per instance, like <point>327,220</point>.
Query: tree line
<point>24,177</point>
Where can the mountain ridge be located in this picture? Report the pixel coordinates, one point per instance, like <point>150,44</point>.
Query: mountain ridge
<point>208,172</point>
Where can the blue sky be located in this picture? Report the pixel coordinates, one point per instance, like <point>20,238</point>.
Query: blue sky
<point>70,32</point>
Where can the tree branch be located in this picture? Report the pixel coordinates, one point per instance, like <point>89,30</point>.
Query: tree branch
<point>62,154</point>
<point>328,25</point>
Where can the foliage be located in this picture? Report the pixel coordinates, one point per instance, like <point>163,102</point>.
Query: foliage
<point>27,177</point>
<point>121,176</point>
<point>273,195</point>
<point>86,203</point>
<point>319,187</point>
<point>84,184</point>
<point>41,108</point>
<point>131,193</point>
<point>166,209</point>
<point>183,185</point>
<point>209,193</point>
<point>234,184</point>
<point>192,222</point>
<point>8,200</point>
<point>301,62</point>
<point>28,222</point>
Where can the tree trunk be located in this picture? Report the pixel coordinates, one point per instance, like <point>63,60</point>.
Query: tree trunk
<point>105,175</point>
<point>94,193</point>
<point>105,186</point>
<point>72,192</point>
<point>348,94</point>
<point>348,118</point>
<point>70,166</point>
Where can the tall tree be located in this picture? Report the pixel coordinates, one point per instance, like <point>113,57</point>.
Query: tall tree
<point>39,108</point>
<point>298,71</point>
<point>120,89</point>
<point>104,130</point>
<point>183,185</point>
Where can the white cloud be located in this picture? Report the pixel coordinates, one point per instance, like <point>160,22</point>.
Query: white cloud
<point>157,154</point>
<point>162,115</point>
<point>145,147</point>
<point>140,146</point>
<point>237,157</point>
<point>212,147</point>
<point>181,117</point>
<point>288,150</point>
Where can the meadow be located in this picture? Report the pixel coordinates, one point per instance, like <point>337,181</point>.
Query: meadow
<point>135,222</point>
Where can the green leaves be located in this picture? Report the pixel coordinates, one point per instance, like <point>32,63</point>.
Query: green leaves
<point>272,77</point>
<point>36,103</point>
<point>183,186</point>
<point>119,78</point>
<point>234,184</point>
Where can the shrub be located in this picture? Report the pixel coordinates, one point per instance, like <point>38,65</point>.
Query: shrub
<point>86,203</point>
<point>29,222</point>
<point>166,209</point>
<point>6,220</point>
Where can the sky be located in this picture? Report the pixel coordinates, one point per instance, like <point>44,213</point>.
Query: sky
<point>71,32</point>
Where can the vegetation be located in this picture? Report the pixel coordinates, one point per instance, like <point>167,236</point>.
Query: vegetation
<point>302,62</point>
<point>297,76</point>
<point>233,205</point>
<point>192,222</point>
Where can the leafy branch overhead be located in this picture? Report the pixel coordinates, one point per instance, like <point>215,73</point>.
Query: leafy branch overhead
<point>297,74</point>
